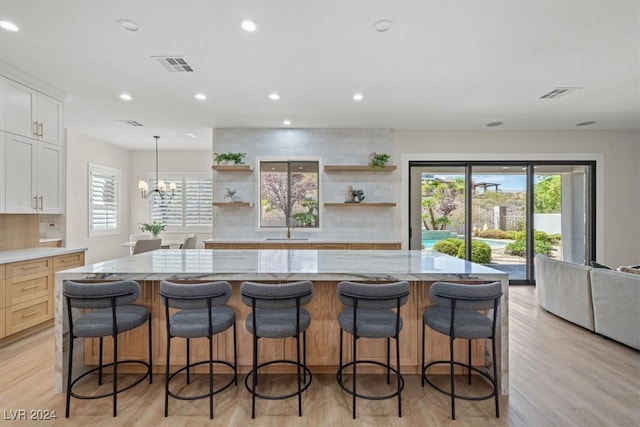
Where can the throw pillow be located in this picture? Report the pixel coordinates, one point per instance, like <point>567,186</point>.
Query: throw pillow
<point>625,269</point>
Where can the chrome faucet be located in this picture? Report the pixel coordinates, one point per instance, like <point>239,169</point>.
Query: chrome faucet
<point>289,228</point>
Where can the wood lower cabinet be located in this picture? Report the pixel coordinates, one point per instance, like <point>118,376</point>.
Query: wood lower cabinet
<point>323,337</point>
<point>304,245</point>
<point>26,291</point>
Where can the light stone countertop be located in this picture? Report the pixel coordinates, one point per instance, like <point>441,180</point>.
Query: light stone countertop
<point>35,253</point>
<point>292,264</point>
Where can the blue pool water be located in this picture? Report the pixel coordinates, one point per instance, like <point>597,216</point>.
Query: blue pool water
<point>495,244</point>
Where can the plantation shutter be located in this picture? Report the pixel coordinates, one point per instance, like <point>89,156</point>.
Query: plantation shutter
<point>191,204</point>
<point>104,196</point>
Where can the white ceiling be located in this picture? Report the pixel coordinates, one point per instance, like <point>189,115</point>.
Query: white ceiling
<point>442,65</point>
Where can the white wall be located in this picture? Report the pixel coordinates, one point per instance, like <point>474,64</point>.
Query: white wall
<point>82,150</point>
<point>618,172</point>
<point>143,162</point>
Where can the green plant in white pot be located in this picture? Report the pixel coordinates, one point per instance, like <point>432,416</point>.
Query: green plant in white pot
<point>155,228</point>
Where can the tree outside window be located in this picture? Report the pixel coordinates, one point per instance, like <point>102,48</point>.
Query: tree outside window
<point>289,194</point>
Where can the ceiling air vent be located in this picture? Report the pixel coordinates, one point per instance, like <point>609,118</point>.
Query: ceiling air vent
<point>174,64</point>
<point>559,91</point>
<point>130,123</point>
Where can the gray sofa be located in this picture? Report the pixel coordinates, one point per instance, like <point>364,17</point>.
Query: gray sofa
<point>600,300</point>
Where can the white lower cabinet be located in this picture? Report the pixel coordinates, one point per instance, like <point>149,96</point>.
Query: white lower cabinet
<point>33,173</point>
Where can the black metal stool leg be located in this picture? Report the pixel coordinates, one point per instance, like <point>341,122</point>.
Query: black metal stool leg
<point>388,360</point>
<point>469,362</point>
<point>210,377</point>
<point>115,374</point>
<point>398,375</point>
<point>452,378</point>
<point>69,372</point>
<point>354,358</point>
<point>166,379</point>
<point>188,359</point>
<point>298,375</point>
<point>495,376</point>
<point>422,372</point>
<point>100,363</point>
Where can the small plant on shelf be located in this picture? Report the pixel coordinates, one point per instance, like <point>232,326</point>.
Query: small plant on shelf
<point>231,194</point>
<point>229,158</point>
<point>378,160</point>
<point>154,228</point>
<point>220,158</point>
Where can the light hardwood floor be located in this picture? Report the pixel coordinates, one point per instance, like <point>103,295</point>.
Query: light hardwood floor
<point>561,375</point>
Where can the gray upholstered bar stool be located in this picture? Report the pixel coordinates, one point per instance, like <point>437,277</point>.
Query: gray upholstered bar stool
<point>108,312</point>
<point>456,314</point>
<point>202,314</point>
<point>369,313</point>
<point>277,312</point>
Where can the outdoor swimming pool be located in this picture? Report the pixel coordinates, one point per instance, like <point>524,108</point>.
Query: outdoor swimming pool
<point>494,244</point>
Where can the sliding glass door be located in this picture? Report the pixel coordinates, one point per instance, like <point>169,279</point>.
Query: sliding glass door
<point>501,214</point>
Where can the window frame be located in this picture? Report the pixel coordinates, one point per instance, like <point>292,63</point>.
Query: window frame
<point>183,177</point>
<point>259,162</point>
<point>92,169</point>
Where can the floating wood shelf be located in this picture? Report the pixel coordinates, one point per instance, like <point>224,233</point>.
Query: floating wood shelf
<point>357,168</point>
<point>361,205</point>
<point>232,204</point>
<point>232,168</point>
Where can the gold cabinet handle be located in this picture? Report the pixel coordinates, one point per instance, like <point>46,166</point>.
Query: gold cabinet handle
<point>41,130</point>
<point>35,129</point>
<point>35,200</point>
<point>29,267</point>
<point>41,197</point>
<point>26,288</point>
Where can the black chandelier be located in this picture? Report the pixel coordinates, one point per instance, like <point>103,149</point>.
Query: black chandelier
<point>161,186</point>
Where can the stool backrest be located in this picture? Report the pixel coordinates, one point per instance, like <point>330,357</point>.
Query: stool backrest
<point>99,295</point>
<point>146,245</point>
<point>373,296</point>
<point>276,296</point>
<point>189,243</point>
<point>467,297</point>
<point>193,296</point>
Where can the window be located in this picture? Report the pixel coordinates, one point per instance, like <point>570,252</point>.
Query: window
<point>190,207</point>
<point>289,194</point>
<point>104,200</point>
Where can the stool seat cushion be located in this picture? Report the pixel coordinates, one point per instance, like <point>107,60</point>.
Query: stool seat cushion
<point>99,322</point>
<point>278,323</point>
<point>370,323</point>
<point>194,323</point>
<point>469,324</point>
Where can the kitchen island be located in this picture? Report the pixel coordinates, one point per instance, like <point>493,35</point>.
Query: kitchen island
<point>325,268</point>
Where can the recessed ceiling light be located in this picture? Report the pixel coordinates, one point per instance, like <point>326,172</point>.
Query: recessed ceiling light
<point>494,124</point>
<point>382,25</point>
<point>126,97</point>
<point>286,122</point>
<point>358,97</point>
<point>249,26</point>
<point>190,134</point>
<point>128,25</point>
<point>274,96</point>
<point>9,26</point>
<point>587,123</point>
<point>200,96</point>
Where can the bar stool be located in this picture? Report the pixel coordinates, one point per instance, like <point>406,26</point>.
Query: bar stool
<point>369,313</point>
<point>277,312</point>
<point>109,313</point>
<point>202,315</point>
<point>456,314</point>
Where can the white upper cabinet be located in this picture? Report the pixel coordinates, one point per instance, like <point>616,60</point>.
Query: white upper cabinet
<point>33,175</point>
<point>30,113</point>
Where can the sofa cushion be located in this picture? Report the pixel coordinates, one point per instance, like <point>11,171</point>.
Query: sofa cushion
<point>616,305</point>
<point>564,289</point>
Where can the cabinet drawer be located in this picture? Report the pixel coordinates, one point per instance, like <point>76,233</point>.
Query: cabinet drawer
<point>63,262</point>
<point>56,244</point>
<point>28,314</point>
<point>361,246</point>
<point>16,269</point>
<point>26,288</point>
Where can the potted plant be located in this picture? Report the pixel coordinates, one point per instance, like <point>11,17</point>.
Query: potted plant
<point>236,158</point>
<point>378,160</point>
<point>231,195</point>
<point>154,228</point>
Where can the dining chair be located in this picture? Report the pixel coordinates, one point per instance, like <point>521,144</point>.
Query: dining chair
<point>146,245</point>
